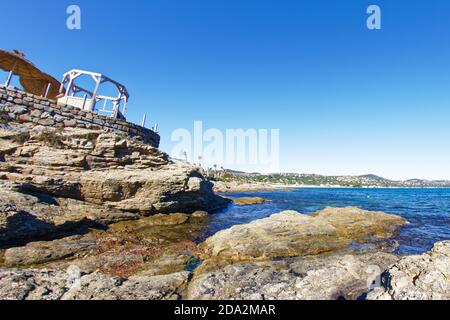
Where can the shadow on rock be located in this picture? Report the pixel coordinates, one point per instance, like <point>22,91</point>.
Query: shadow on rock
<point>18,227</point>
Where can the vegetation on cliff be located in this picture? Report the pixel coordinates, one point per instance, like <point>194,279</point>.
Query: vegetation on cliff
<point>370,180</point>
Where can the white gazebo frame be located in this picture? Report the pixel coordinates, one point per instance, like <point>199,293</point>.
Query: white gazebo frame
<point>91,98</point>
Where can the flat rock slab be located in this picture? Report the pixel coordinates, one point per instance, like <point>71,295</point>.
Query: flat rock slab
<point>42,252</point>
<point>290,233</point>
<point>247,201</point>
<point>153,221</point>
<point>70,285</point>
<point>314,278</point>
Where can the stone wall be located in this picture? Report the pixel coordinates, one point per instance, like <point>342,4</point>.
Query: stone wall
<point>16,105</point>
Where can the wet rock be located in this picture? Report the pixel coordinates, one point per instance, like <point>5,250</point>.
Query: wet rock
<point>153,221</point>
<point>200,214</point>
<point>123,259</point>
<point>246,201</point>
<point>293,234</point>
<point>243,282</point>
<point>166,220</point>
<point>419,277</point>
<point>132,248</point>
<point>168,263</point>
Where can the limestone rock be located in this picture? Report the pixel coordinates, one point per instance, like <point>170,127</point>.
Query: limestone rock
<point>419,277</point>
<point>62,285</point>
<point>58,178</point>
<point>32,284</point>
<point>125,249</point>
<point>41,252</point>
<point>200,214</point>
<point>361,225</point>
<point>97,286</point>
<point>246,201</point>
<point>25,218</point>
<point>156,220</point>
<point>168,263</point>
<point>312,278</point>
<point>293,234</point>
<point>105,168</point>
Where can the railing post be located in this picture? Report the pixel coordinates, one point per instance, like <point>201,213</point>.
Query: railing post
<point>84,102</point>
<point>124,109</point>
<point>94,95</point>
<point>8,80</point>
<point>47,90</point>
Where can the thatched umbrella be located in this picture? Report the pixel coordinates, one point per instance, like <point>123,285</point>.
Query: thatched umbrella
<point>31,78</point>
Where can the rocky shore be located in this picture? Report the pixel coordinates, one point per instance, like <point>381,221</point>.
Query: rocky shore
<point>420,277</point>
<point>100,200</point>
<point>91,214</point>
<point>56,181</point>
<point>124,262</point>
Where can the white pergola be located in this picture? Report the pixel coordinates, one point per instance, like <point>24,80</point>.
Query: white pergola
<point>92,98</point>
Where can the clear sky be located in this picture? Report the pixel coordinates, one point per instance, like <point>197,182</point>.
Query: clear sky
<point>347,100</point>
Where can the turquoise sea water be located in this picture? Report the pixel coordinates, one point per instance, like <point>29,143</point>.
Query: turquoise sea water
<point>427,210</point>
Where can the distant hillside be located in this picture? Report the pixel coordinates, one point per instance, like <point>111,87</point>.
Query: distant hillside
<point>368,180</point>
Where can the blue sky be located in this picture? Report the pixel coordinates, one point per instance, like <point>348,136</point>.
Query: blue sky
<point>347,100</point>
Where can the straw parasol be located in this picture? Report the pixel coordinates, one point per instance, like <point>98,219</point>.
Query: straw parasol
<point>31,78</point>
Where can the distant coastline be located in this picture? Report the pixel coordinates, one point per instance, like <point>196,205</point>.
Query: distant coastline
<point>298,186</point>
<point>294,180</point>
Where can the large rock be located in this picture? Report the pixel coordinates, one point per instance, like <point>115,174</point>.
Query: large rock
<point>104,168</point>
<point>72,285</point>
<point>361,225</point>
<point>247,201</point>
<point>156,245</point>
<point>100,287</point>
<point>59,177</point>
<point>419,277</point>
<point>41,252</point>
<point>313,278</point>
<point>293,234</point>
<point>25,217</point>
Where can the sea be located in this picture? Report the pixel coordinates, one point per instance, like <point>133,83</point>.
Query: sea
<point>426,210</point>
